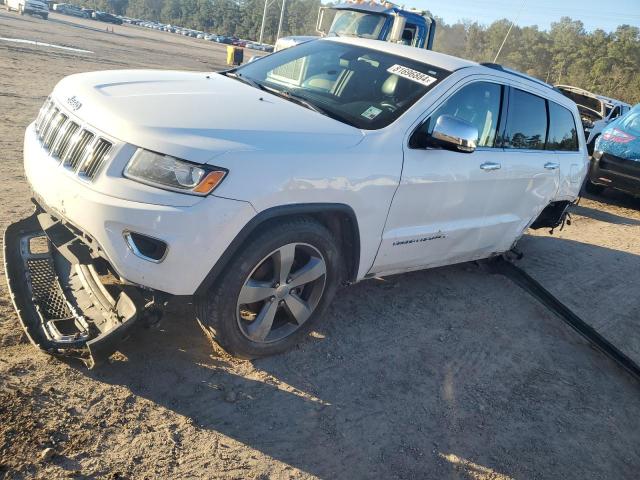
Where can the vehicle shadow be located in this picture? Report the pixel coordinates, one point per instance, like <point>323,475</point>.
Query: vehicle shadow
<point>603,216</point>
<point>433,374</point>
<point>616,198</point>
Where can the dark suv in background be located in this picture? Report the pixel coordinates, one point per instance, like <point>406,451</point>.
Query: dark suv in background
<point>106,17</point>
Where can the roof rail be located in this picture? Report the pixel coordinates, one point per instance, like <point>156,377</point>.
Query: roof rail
<point>497,66</point>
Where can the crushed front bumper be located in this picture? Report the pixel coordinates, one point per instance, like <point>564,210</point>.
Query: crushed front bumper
<point>68,302</point>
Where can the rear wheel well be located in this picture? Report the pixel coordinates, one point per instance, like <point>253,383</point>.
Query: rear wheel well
<point>552,216</point>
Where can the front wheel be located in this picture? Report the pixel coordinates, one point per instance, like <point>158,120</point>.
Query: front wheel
<point>45,16</point>
<point>273,291</point>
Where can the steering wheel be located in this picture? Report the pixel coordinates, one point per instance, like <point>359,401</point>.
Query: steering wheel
<point>389,106</point>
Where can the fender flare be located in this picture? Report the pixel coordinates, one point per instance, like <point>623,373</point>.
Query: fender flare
<point>279,212</point>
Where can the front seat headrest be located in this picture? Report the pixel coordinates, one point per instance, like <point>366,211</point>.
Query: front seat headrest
<point>389,86</point>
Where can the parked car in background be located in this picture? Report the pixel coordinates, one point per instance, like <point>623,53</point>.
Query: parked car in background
<point>259,46</point>
<point>616,158</point>
<point>31,7</point>
<point>331,162</point>
<point>596,111</point>
<point>131,21</point>
<point>106,17</point>
<point>68,9</point>
<point>224,39</point>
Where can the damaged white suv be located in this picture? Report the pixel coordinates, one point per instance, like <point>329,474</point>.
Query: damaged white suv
<point>259,190</point>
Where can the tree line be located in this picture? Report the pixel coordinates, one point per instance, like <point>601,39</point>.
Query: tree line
<point>607,63</point>
<point>603,63</point>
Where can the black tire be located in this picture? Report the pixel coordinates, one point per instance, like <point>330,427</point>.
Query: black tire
<point>219,312</point>
<point>45,16</point>
<point>591,146</point>
<point>592,188</point>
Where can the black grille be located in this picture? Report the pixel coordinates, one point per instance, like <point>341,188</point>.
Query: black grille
<point>46,289</point>
<point>96,158</point>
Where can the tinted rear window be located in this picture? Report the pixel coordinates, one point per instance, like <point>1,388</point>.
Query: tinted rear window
<point>526,121</point>
<point>563,134</point>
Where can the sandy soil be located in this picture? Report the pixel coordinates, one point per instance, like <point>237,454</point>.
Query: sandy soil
<point>450,373</point>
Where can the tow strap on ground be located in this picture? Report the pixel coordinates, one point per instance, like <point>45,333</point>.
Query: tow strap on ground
<point>521,278</point>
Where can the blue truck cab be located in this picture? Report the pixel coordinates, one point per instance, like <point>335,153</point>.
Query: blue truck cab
<point>381,21</point>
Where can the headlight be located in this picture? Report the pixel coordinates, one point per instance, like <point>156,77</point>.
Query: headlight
<point>170,173</point>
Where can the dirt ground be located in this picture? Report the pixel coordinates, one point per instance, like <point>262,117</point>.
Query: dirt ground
<point>451,373</point>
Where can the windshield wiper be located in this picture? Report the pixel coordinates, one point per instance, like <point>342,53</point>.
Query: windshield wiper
<point>286,94</point>
<point>243,79</point>
<point>296,99</point>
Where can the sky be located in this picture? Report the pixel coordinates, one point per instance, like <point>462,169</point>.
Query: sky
<point>594,14</point>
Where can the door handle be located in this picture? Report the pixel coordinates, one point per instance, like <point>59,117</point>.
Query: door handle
<point>551,166</point>
<point>490,166</point>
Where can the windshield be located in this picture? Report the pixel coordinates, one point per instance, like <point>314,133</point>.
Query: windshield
<point>357,24</point>
<point>630,123</point>
<point>362,87</point>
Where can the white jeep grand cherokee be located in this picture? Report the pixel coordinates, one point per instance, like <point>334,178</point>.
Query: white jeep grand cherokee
<point>260,189</point>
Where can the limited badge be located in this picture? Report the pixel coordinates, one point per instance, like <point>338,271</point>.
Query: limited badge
<point>371,113</point>
<point>411,74</point>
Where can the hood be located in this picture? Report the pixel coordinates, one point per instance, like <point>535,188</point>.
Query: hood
<point>196,116</point>
<point>585,100</point>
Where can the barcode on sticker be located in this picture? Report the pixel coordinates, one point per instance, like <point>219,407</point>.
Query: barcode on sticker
<point>411,74</point>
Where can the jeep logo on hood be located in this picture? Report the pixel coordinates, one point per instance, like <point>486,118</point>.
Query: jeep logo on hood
<point>74,103</point>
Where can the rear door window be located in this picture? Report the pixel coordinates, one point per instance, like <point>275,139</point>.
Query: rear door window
<point>563,134</point>
<point>526,121</point>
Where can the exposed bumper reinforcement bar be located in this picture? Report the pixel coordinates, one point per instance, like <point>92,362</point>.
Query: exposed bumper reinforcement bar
<point>60,294</point>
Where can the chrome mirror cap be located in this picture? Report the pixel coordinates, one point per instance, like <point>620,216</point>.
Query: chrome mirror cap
<point>455,134</point>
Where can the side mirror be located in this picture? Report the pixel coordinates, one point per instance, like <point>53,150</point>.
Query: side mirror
<point>455,134</point>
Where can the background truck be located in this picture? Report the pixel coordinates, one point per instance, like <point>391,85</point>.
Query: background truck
<point>381,21</point>
<point>32,7</point>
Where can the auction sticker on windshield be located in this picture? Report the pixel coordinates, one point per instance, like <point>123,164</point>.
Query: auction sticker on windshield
<point>371,113</point>
<point>411,74</point>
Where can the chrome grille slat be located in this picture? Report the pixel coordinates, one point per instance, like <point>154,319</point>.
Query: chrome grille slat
<point>43,111</point>
<point>47,122</point>
<point>78,149</point>
<point>73,142</point>
<point>54,130</point>
<point>96,158</point>
<point>67,134</point>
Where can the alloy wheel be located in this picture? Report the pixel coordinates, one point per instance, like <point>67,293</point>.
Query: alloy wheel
<point>281,292</point>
